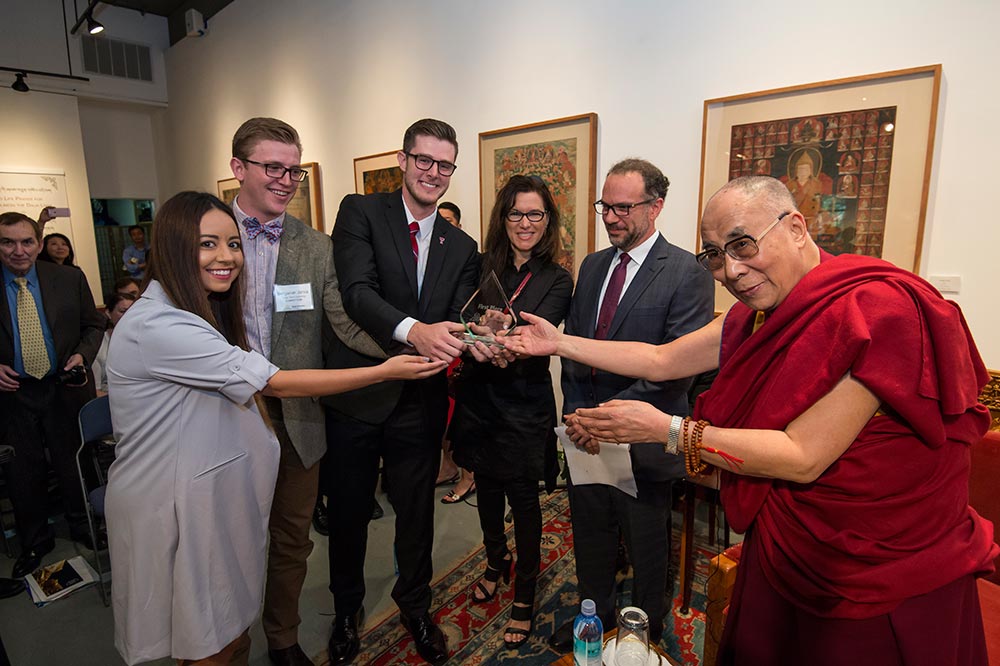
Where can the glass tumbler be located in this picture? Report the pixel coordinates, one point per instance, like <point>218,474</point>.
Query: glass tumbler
<point>632,644</point>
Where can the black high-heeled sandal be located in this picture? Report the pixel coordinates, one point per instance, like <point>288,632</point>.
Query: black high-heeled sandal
<point>492,576</point>
<point>520,614</point>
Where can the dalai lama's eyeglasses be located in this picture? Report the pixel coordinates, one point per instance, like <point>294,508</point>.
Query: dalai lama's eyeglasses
<point>740,249</point>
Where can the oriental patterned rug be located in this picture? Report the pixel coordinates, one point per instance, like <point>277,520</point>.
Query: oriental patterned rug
<point>475,631</point>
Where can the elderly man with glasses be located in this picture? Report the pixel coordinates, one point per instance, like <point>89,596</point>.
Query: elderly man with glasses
<point>644,289</point>
<point>841,420</point>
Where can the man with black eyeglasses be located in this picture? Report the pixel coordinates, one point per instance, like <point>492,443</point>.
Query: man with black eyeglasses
<point>405,274</point>
<point>841,420</point>
<point>645,289</point>
<point>291,304</point>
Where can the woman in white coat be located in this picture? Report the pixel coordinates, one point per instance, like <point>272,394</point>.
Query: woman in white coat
<point>190,491</point>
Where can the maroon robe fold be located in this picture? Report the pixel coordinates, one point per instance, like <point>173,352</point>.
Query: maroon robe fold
<point>890,519</point>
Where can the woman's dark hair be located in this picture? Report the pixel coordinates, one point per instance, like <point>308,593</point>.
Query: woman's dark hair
<point>44,254</point>
<point>173,262</point>
<point>497,251</point>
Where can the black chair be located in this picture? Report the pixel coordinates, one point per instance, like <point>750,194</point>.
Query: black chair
<point>95,433</point>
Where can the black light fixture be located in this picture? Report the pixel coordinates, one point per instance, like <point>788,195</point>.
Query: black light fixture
<point>93,25</point>
<point>19,85</point>
<point>20,73</point>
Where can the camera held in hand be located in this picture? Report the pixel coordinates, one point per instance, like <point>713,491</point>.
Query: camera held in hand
<point>75,376</point>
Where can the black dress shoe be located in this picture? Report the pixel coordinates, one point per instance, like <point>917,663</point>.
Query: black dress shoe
<point>10,587</point>
<point>290,656</point>
<point>562,639</point>
<point>428,638</point>
<point>321,520</point>
<point>31,559</point>
<point>345,641</point>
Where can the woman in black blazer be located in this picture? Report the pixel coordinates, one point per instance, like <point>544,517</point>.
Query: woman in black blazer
<point>505,413</point>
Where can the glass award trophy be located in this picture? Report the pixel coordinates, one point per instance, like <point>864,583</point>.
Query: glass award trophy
<point>487,314</point>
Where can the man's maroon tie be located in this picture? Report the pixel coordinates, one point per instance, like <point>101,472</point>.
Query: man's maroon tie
<point>611,297</point>
<point>414,228</point>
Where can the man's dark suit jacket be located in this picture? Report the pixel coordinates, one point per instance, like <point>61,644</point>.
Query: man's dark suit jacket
<point>378,281</point>
<point>77,327</point>
<point>671,295</point>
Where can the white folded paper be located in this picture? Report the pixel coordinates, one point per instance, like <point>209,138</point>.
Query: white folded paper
<point>611,467</point>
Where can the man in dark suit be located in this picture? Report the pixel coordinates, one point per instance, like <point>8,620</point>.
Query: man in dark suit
<point>48,326</point>
<point>291,299</point>
<point>647,290</point>
<point>405,274</point>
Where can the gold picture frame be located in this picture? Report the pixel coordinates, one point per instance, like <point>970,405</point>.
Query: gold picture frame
<point>377,173</point>
<point>868,142</point>
<point>306,205</point>
<point>563,152</point>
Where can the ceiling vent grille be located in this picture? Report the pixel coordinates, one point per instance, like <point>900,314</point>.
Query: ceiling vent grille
<point>113,57</point>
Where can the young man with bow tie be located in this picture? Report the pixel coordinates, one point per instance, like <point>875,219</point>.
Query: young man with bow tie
<point>291,297</point>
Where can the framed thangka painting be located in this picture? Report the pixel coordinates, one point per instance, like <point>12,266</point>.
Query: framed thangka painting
<point>854,153</point>
<point>561,152</point>
<point>377,173</point>
<point>306,205</point>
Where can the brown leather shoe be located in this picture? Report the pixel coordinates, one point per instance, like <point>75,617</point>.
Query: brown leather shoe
<point>290,656</point>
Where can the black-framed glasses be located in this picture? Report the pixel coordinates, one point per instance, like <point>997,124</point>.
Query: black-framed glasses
<point>535,216</point>
<point>277,171</point>
<point>619,209</point>
<point>740,249</point>
<point>425,162</point>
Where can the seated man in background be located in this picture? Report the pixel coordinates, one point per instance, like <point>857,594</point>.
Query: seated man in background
<point>49,331</point>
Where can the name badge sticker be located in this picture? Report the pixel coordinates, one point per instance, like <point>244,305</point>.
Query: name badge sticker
<point>293,297</point>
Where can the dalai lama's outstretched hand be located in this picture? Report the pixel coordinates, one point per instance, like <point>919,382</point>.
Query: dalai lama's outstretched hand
<point>624,421</point>
<point>536,337</point>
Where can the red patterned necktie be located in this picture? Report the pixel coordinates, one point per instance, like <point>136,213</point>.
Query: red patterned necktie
<point>414,228</point>
<point>611,297</point>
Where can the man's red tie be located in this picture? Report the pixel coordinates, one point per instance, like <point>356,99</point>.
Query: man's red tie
<point>414,228</point>
<point>611,297</point>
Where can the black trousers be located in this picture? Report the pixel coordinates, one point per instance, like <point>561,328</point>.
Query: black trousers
<point>523,497</point>
<point>40,415</point>
<point>598,511</point>
<point>409,444</point>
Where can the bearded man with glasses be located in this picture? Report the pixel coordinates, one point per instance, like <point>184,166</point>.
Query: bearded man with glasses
<point>841,421</point>
<point>646,289</point>
<point>405,274</point>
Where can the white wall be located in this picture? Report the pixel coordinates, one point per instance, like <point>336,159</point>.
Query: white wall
<point>42,131</point>
<point>351,75</point>
<point>119,150</point>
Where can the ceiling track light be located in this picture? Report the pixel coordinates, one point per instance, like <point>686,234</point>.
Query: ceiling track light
<point>93,26</point>
<point>19,85</point>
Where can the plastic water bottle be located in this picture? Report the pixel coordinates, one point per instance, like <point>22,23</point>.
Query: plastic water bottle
<point>588,636</point>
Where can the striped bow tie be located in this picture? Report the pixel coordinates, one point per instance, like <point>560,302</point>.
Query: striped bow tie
<point>271,230</point>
